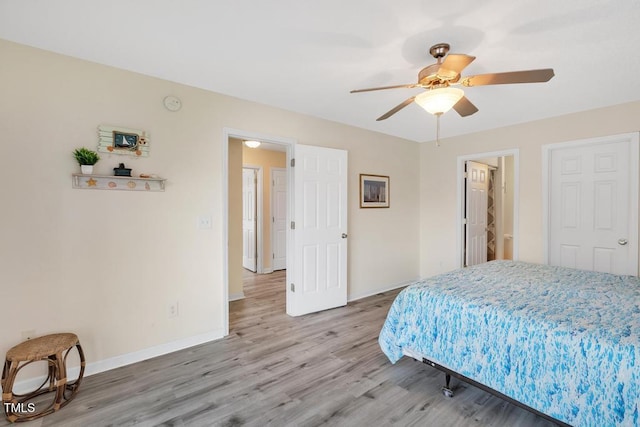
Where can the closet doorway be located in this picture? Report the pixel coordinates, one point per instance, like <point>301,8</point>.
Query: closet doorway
<point>590,204</point>
<point>487,207</point>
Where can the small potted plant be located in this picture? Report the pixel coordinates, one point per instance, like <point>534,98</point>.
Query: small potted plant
<point>86,159</point>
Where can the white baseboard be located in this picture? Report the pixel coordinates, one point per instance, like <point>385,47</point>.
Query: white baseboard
<point>236,296</point>
<point>355,297</point>
<point>124,359</point>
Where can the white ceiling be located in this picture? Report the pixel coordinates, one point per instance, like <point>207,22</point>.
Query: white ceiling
<point>305,56</point>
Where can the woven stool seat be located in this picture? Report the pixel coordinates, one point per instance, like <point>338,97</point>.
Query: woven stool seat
<point>53,349</point>
<point>37,348</point>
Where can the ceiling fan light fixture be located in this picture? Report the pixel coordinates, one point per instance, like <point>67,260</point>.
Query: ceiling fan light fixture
<point>252,144</point>
<point>439,101</point>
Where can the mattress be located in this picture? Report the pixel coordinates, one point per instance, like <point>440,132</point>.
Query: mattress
<point>565,342</point>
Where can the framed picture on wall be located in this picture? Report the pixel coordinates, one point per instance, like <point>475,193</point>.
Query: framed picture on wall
<point>374,191</point>
<point>119,140</point>
<point>125,140</point>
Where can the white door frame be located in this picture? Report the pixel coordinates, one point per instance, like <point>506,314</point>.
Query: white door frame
<point>271,205</point>
<point>289,143</point>
<point>515,152</point>
<point>546,182</point>
<point>259,215</point>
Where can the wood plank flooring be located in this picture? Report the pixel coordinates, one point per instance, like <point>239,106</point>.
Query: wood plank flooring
<point>274,370</point>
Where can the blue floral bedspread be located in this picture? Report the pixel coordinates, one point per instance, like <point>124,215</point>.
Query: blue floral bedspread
<point>565,342</point>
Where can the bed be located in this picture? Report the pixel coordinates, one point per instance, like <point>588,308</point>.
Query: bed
<point>563,342</point>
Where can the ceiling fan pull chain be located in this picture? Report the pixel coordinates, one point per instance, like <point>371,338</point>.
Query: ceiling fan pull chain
<point>438,129</point>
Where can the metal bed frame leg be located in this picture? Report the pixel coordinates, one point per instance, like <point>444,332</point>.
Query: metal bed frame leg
<point>446,390</point>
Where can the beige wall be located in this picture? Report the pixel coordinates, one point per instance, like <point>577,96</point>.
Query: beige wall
<point>106,264</point>
<point>267,159</point>
<point>438,181</point>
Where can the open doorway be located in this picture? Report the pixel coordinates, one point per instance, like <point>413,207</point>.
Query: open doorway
<point>273,152</point>
<point>316,280</point>
<point>270,163</point>
<point>264,177</point>
<point>487,207</point>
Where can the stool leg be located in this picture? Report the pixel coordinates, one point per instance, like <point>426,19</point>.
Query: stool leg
<point>9,373</point>
<point>74,385</point>
<point>61,380</point>
<point>52,372</point>
<point>5,372</point>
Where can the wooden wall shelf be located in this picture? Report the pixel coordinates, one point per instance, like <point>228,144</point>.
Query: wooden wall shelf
<point>126,183</point>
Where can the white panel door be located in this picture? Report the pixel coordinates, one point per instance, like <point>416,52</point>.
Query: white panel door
<point>477,198</point>
<point>320,234</point>
<point>592,204</point>
<point>249,219</point>
<point>279,218</point>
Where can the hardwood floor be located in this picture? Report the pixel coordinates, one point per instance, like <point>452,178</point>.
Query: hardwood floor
<point>321,369</point>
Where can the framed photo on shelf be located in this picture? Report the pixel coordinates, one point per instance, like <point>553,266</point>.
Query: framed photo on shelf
<point>374,191</point>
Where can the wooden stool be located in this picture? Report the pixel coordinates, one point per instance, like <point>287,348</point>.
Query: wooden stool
<point>54,349</point>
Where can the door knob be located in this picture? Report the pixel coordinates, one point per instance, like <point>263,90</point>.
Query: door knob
<point>622,242</point>
<point>344,235</point>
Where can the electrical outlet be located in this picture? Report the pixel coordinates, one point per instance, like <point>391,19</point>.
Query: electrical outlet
<point>27,335</point>
<point>172,309</point>
<point>204,222</point>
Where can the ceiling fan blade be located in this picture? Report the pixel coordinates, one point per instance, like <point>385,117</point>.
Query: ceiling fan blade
<point>454,64</point>
<point>464,107</point>
<point>384,87</point>
<point>396,109</point>
<point>529,76</point>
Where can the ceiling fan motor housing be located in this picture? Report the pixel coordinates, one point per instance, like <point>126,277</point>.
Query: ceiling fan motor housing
<point>431,77</point>
<point>439,50</point>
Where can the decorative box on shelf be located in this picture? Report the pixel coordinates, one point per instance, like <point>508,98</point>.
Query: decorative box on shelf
<point>128,183</point>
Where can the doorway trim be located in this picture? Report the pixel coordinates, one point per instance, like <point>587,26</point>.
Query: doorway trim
<point>289,143</point>
<point>515,152</point>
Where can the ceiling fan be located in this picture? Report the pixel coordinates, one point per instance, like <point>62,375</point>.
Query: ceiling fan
<point>439,97</point>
